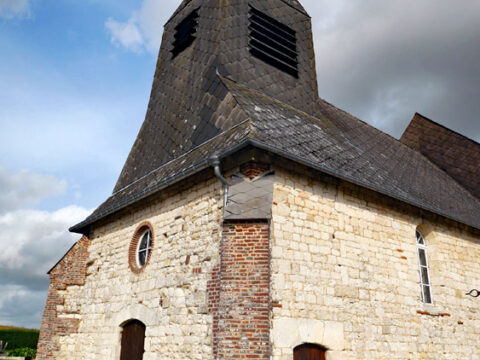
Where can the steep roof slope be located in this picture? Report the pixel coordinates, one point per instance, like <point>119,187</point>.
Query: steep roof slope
<point>268,98</point>
<point>187,105</point>
<point>456,154</point>
<point>333,142</point>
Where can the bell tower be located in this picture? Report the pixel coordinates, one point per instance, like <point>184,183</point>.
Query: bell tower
<point>266,45</point>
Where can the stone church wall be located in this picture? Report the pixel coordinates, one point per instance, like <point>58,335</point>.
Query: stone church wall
<point>60,321</point>
<point>345,275</point>
<point>169,296</point>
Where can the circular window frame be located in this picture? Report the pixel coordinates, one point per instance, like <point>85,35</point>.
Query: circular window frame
<point>135,244</point>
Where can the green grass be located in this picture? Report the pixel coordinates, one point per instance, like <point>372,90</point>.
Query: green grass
<point>19,337</point>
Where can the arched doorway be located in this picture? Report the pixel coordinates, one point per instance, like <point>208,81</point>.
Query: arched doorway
<point>133,341</point>
<point>309,352</point>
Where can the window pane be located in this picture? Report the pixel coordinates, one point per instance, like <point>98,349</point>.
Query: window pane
<point>142,257</point>
<point>427,296</point>
<point>144,241</point>
<point>423,257</point>
<point>149,233</point>
<point>420,239</point>
<point>425,279</point>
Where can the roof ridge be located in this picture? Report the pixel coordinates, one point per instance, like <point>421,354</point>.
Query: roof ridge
<point>442,126</point>
<point>413,151</point>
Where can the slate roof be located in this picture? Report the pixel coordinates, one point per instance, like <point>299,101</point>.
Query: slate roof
<point>188,104</point>
<point>454,153</point>
<point>333,142</point>
<point>194,113</point>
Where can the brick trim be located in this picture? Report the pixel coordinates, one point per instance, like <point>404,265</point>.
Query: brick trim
<point>242,324</point>
<point>253,169</point>
<point>70,271</point>
<point>132,251</point>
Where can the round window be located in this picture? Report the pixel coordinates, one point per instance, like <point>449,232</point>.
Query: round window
<point>141,248</point>
<point>144,248</point>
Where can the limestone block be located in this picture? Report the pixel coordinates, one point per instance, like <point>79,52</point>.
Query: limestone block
<point>288,333</point>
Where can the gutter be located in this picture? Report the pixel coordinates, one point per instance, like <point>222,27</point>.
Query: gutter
<point>352,180</point>
<point>82,226</point>
<point>260,145</point>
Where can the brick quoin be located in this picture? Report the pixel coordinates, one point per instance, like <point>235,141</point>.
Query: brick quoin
<point>70,271</point>
<point>242,323</point>
<point>252,169</point>
<point>213,291</point>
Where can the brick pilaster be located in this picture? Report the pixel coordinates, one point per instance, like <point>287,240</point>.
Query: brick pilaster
<point>243,330</point>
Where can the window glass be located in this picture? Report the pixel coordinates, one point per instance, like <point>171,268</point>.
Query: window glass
<point>422,257</point>
<point>427,295</point>
<point>144,248</point>
<point>423,269</point>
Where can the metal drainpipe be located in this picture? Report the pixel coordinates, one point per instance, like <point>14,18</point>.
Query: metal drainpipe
<point>215,161</point>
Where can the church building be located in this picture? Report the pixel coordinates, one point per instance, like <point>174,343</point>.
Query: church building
<point>254,220</point>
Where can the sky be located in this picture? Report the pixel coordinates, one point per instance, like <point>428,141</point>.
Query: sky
<point>75,79</point>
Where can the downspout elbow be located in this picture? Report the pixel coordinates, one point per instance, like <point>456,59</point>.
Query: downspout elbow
<point>215,161</point>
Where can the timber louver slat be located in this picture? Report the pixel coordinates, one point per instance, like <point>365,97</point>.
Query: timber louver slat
<point>184,33</point>
<point>273,42</point>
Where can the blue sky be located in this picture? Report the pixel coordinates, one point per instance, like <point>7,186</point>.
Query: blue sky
<point>63,87</point>
<point>75,79</point>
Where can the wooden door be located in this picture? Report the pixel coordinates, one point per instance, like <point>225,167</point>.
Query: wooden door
<point>308,352</point>
<point>133,341</point>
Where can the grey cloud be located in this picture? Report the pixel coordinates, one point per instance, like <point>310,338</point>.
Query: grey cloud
<point>380,60</point>
<point>23,189</point>
<point>20,307</point>
<point>385,60</point>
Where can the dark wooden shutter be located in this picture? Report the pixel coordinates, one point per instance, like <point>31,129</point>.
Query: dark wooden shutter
<point>133,341</point>
<point>308,352</point>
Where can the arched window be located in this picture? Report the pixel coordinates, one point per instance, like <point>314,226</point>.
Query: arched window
<point>133,341</point>
<point>309,352</point>
<point>423,269</point>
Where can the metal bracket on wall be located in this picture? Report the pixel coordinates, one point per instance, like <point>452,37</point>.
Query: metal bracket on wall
<point>474,293</point>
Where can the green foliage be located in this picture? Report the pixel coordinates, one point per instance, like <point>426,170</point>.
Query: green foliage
<point>19,338</point>
<point>25,352</point>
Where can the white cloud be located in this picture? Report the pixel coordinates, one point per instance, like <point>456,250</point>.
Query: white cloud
<point>23,189</point>
<point>31,242</point>
<point>125,34</point>
<point>14,8</point>
<point>30,236</point>
<point>144,29</point>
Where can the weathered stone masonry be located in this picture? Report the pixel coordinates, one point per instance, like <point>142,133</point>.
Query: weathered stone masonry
<point>293,255</point>
<point>345,276</point>
<point>169,296</point>
<point>56,322</point>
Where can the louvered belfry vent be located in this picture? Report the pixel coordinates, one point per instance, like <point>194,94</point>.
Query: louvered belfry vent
<point>185,33</point>
<point>273,42</point>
